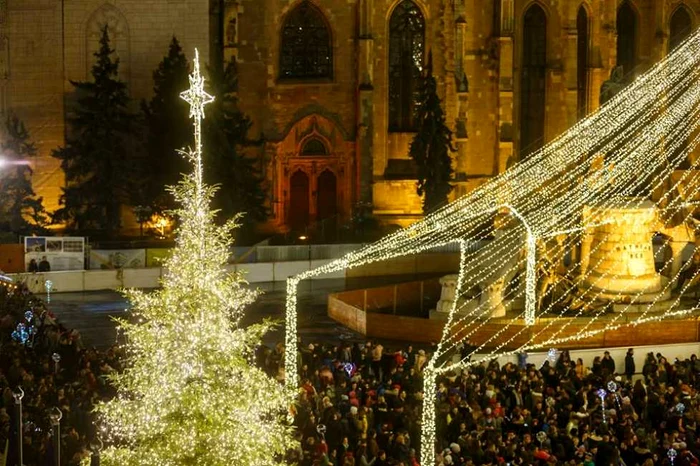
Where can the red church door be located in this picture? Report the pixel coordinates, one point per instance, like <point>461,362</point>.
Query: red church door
<point>327,204</point>
<point>299,202</point>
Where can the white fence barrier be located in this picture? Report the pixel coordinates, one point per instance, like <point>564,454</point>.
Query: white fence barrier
<point>92,280</point>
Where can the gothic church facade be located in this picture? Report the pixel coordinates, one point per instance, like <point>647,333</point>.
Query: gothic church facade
<point>331,85</point>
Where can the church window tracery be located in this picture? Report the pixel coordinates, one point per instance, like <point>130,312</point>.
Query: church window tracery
<point>306,50</point>
<point>627,38</point>
<point>533,80</point>
<point>313,147</point>
<point>681,27</point>
<point>582,61</point>
<point>406,56</point>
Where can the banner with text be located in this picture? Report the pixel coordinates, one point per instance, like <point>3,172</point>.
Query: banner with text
<point>53,253</point>
<point>117,259</point>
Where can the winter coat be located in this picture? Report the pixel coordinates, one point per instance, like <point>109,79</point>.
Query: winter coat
<point>629,365</point>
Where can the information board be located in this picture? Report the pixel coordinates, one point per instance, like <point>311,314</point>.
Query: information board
<point>59,252</point>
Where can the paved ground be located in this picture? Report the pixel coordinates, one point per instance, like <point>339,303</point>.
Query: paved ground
<point>91,312</point>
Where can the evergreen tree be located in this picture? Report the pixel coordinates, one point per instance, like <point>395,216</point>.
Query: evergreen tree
<point>99,156</point>
<point>167,119</point>
<point>190,394</point>
<point>21,211</point>
<point>226,136</point>
<point>431,146</point>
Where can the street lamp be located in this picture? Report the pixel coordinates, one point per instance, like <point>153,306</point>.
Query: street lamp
<point>96,445</point>
<point>56,415</point>
<point>18,395</point>
<point>56,359</point>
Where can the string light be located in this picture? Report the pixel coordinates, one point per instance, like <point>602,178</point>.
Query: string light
<point>581,184</point>
<point>551,322</point>
<point>189,393</point>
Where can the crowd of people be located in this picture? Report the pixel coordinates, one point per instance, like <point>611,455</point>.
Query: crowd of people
<point>72,381</point>
<point>360,405</point>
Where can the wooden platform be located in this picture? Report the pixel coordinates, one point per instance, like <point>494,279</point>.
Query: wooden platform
<point>384,321</point>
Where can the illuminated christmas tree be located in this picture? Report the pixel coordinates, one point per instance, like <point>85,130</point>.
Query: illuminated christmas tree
<point>189,394</point>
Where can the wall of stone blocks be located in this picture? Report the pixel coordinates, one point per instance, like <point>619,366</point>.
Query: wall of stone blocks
<point>49,46</point>
<point>276,105</point>
<point>34,84</point>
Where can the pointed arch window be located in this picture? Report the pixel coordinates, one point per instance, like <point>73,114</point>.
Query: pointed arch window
<point>533,80</point>
<point>306,50</point>
<point>406,56</point>
<point>582,61</point>
<point>627,38</point>
<point>119,38</point>
<point>314,148</point>
<point>681,27</point>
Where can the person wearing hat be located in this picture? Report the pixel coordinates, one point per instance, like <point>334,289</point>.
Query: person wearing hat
<point>607,364</point>
<point>630,368</point>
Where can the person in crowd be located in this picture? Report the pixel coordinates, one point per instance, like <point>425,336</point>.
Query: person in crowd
<point>608,364</point>
<point>33,267</point>
<point>630,368</point>
<point>492,413</point>
<point>75,386</point>
<point>496,413</point>
<point>44,265</point>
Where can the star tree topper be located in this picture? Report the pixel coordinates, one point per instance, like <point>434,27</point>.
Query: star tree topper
<point>196,96</point>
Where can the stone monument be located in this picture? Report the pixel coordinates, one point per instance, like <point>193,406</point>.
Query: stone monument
<point>617,255</point>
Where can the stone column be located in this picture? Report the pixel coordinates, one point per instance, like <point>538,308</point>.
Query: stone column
<point>505,53</point>
<point>365,69</point>
<point>506,62</point>
<point>662,32</point>
<point>462,95</point>
<point>571,70</point>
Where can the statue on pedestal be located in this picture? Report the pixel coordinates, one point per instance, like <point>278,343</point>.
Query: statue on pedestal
<point>612,86</point>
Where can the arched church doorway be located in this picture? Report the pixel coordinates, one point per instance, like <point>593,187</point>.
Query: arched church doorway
<point>299,201</point>
<point>327,203</point>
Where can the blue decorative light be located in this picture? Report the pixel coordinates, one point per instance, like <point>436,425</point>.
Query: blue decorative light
<point>672,453</point>
<point>349,368</point>
<point>21,334</point>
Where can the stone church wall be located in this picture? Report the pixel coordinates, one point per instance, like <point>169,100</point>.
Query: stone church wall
<point>50,43</point>
<point>477,52</point>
